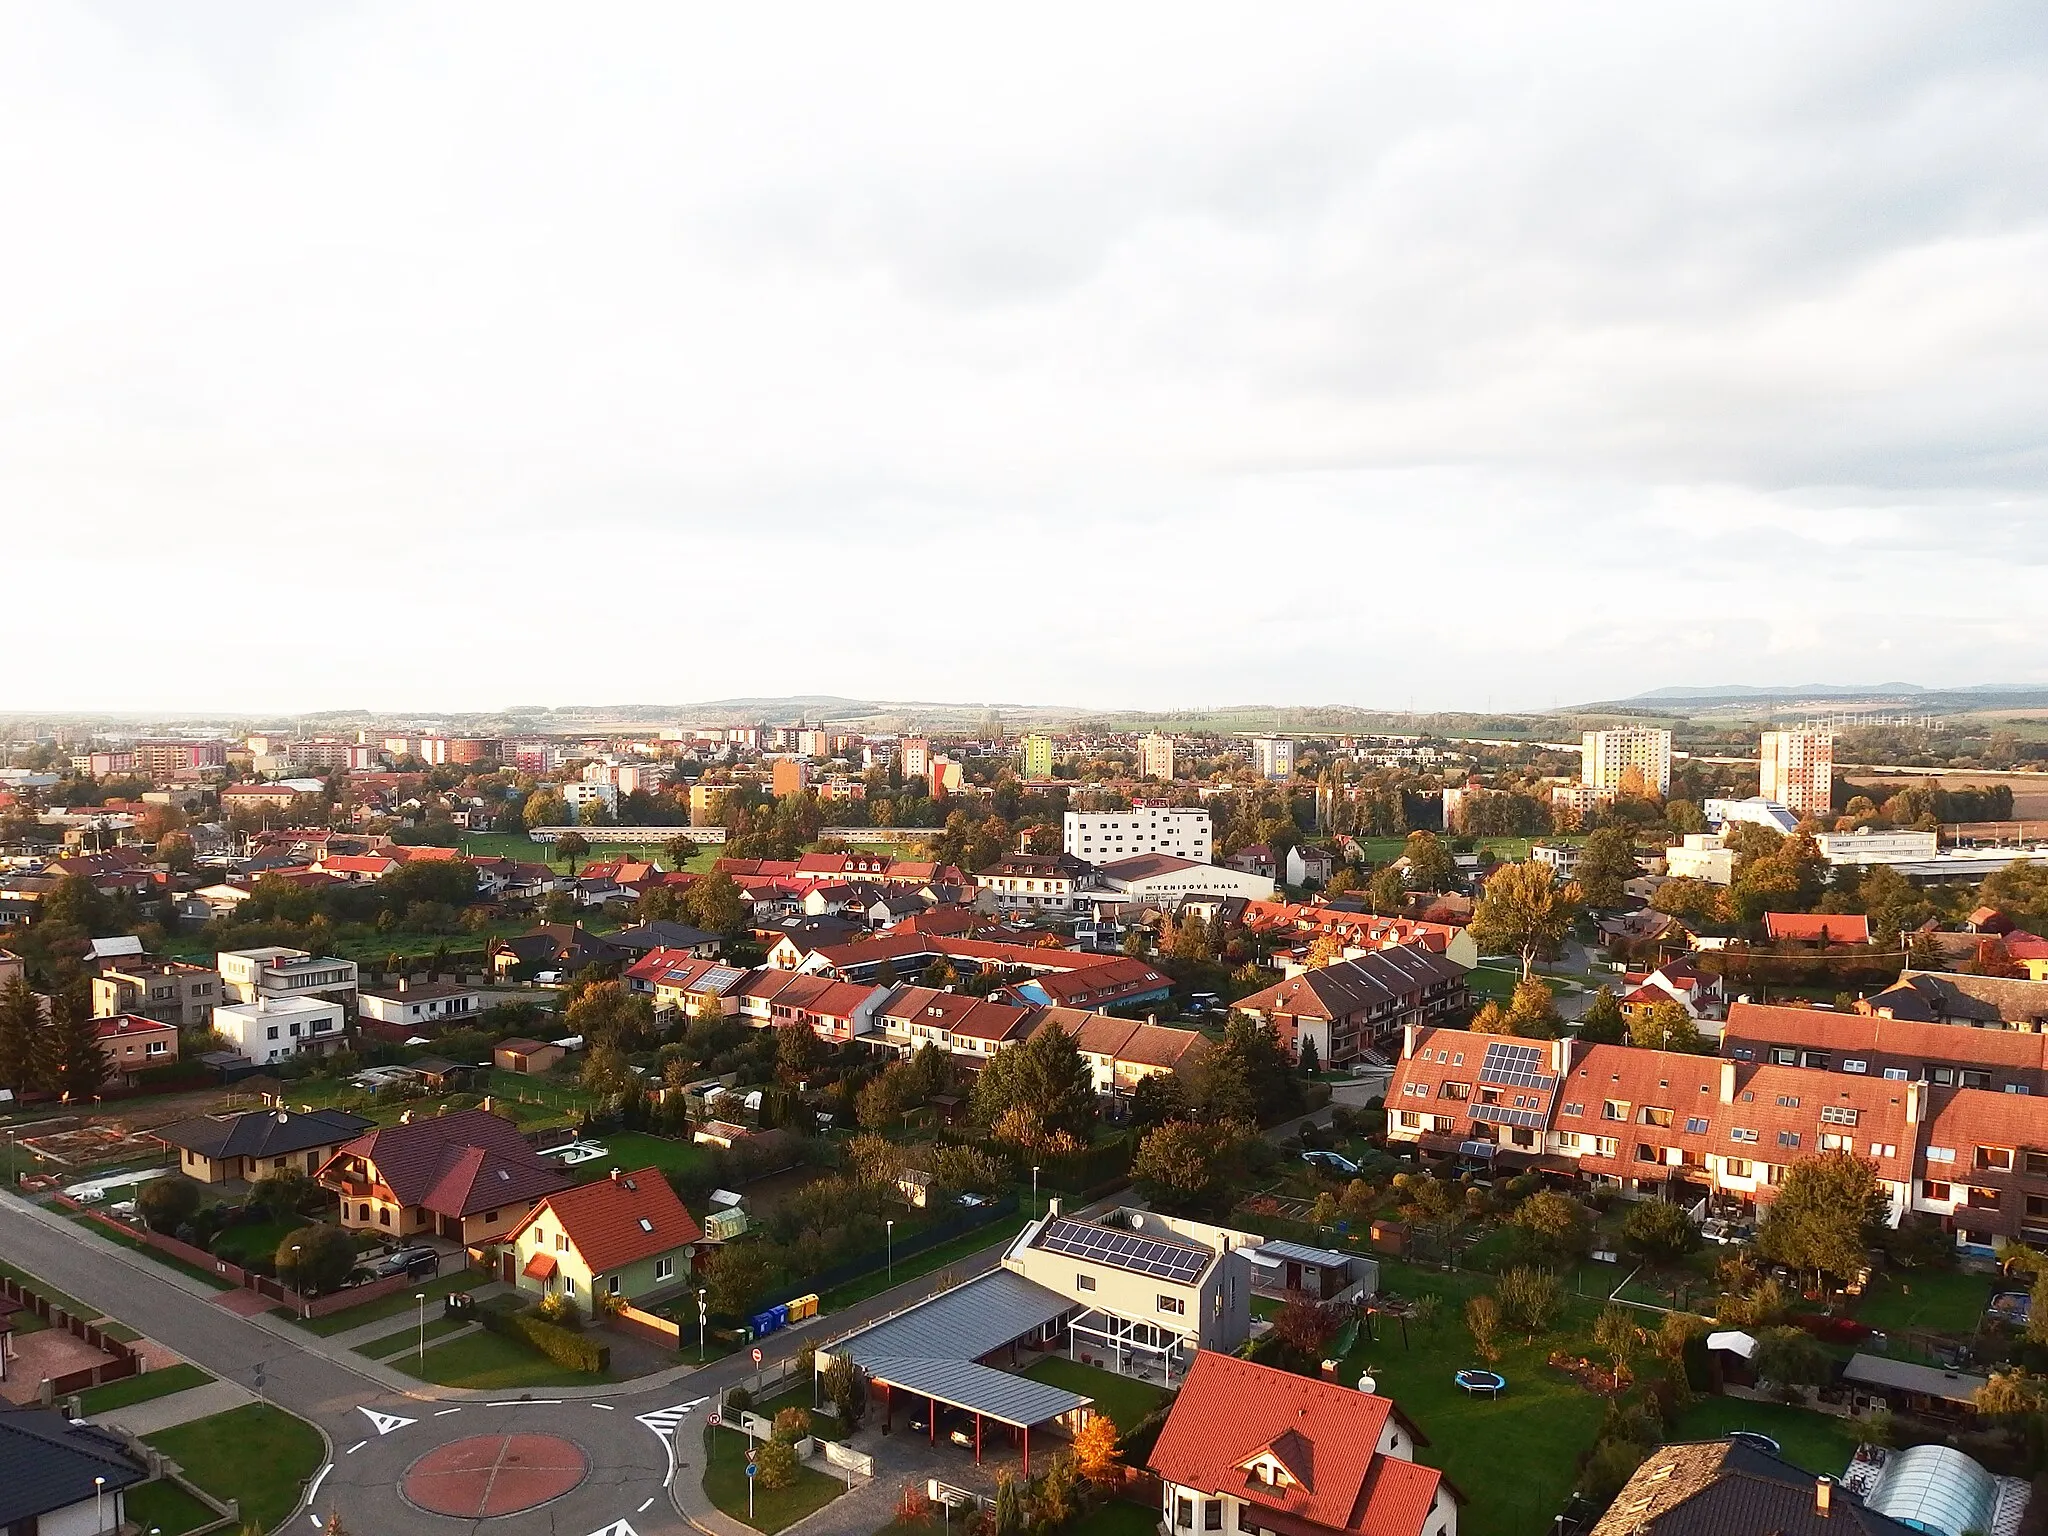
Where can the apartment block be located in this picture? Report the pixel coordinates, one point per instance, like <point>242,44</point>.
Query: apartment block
<point>1101,837</point>
<point>1273,757</point>
<point>1629,757</point>
<point>1798,771</point>
<point>1155,757</point>
<point>1037,756</point>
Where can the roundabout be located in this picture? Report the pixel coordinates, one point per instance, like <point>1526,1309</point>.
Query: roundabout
<point>481,1477</point>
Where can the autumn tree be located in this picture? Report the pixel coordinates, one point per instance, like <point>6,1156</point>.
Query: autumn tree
<point>1046,1074</point>
<point>1557,1225</point>
<point>1095,1451</point>
<point>715,903</point>
<point>1603,1022</point>
<point>1665,1026</point>
<point>1826,1213</point>
<point>1185,1165</point>
<point>1526,910</point>
<point>1606,865</point>
<point>1431,865</point>
<point>572,846</point>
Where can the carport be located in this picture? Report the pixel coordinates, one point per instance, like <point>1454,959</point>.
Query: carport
<point>1015,1402</point>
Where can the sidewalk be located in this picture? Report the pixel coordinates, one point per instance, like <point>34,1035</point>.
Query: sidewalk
<point>179,1408</point>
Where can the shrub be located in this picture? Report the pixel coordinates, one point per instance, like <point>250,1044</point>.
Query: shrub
<point>168,1203</point>
<point>571,1351</point>
<point>913,1506</point>
<point>777,1461</point>
<point>792,1424</point>
<point>558,1310</point>
<point>1482,1316</point>
<point>1659,1230</point>
<point>739,1400</point>
<point>1530,1299</point>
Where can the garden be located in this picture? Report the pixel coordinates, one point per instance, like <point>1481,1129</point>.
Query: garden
<point>256,1454</point>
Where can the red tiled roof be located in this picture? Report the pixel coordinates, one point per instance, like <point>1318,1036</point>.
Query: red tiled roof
<point>457,1164</point>
<point>1755,1027</point>
<point>130,1024</point>
<point>539,1267</point>
<point>1230,1412</point>
<point>621,1220</point>
<point>1818,927</point>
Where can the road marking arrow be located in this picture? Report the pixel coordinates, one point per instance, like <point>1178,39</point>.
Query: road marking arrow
<point>616,1528</point>
<point>385,1422</point>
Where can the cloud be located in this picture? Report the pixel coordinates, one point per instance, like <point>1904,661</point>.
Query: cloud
<point>1156,357</point>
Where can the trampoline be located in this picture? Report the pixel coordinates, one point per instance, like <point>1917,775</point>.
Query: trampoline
<point>1761,1441</point>
<point>1492,1383</point>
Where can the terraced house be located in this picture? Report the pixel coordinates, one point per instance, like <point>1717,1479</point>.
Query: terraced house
<point>1356,1010</point>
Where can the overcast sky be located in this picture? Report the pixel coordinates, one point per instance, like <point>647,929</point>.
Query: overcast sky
<point>440,357</point>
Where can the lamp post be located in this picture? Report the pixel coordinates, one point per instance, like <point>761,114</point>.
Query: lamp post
<point>1034,1191</point>
<point>421,1298</point>
<point>299,1279</point>
<point>99,1485</point>
<point>889,1237</point>
<point>702,1314</point>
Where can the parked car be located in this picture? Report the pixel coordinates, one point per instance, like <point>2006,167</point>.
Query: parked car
<point>417,1261</point>
<point>1335,1161</point>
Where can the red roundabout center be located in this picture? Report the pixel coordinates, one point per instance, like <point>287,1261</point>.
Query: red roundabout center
<point>489,1475</point>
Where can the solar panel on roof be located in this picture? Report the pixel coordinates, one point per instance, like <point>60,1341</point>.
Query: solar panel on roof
<point>1501,1114</point>
<point>1125,1250</point>
<point>1515,1066</point>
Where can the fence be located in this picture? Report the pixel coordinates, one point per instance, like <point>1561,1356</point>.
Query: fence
<point>126,1361</point>
<point>848,1459</point>
<point>635,1324</point>
<point>907,1247</point>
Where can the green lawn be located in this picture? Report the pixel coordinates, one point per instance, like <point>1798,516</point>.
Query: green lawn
<point>1125,1399</point>
<point>49,1293</point>
<point>725,1482</point>
<point>140,1389</point>
<point>386,1306</point>
<point>409,1338</point>
<point>165,1507</point>
<point>255,1241</point>
<point>257,1454</point>
<point>517,845</point>
<point>1939,1300</point>
<point>630,1151</point>
<point>493,1361</point>
<point>1514,1456</point>
<point>1819,1442</point>
<point>1492,983</point>
<point>1117,1518</point>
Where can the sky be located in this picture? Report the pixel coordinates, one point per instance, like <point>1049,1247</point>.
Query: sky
<point>1144,356</point>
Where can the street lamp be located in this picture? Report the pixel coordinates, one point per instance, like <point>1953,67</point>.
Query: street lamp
<point>421,1298</point>
<point>702,1313</point>
<point>1034,1191</point>
<point>299,1279</point>
<point>889,1237</point>
<point>98,1487</point>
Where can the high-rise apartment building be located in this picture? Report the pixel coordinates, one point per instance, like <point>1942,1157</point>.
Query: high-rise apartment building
<point>1155,756</point>
<point>1798,771</point>
<point>917,759</point>
<point>1273,756</point>
<point>1037,756</point>
<point>1606,757</point>
<point>1102,837</point>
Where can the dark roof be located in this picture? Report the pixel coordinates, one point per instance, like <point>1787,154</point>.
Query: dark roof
<point>48,1464</point>
<point>264,1132</point>
<point>1941,997</point>
<point>458,1164</point>
<point>1335,991</point>
<point>1714,1487</point>
<point>660,934</point>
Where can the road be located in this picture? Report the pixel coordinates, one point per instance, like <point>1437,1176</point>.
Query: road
<point>378,1423</point>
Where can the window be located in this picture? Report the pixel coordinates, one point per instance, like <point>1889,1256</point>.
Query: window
<point>1982,1198</point>
<point>383,1217</point>
<point>1853,1065</point>
<point>1784,1056</point>
<point>1788,1138</point>
<point>1814,1059</point>
<point>1177,1305</point>
<point>1614,1109</point>
<point>1973,1079</point>
<point>1743,1053</point>
<point>1084,1282</point>
<point>1645,1153</point>
<point>1696,1125</point>
<point>1837,1143</point>
<point>1574,1109</point>
<point>1941,1154</point>
<point>1895,1074</point>
<point>561,1242</point>
<point>664,1269</point>
<point>1212,1514</point>
<point>1735,1167</point>
<point>1883,1149</point>
<point>1651,1116</point>
<point>2017,1088</point>
<point>2037,1205</point>
<point>1788,1101</point>
<point>568,1285</point>
<point>1184,1513</point>
<point>2037,1165</point>
<point>1741,1133</point>
<point>1605,1146</point>
<point>1837,1114</point>
<point>1945,1076</point>
<point>1998,1159</point>
<point>1934,1189</point>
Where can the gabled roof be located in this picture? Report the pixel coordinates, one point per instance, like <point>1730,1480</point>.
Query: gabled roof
<point>620,1220</point>
<point>1818,927</point>
<point>1333,991</point>
<point>1942,996</point>
<point>457,1164</point>
<point>263,1132</point>
<point>48,1463</point>
<point>1232,1412</point>
<point>1716,1487</point>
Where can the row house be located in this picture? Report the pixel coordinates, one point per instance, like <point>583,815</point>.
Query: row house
<point>834,1010</point>
<point>1359,931</point>
<point>954,1022</point>
<point>1874,1045</point>
<point>1356,1009</point>
<point>678,980</point>
<point>1947,997</point>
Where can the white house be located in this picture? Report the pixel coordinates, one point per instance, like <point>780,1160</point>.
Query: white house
<point>275,972</point>
<point>1702,856</point>
<point>270,1030</point>
<point>413,1003</point>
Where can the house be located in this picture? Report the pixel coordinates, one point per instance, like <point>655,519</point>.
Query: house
<point>1309,866</point>
<point>1255,859</point>
<point>626,1237</point>
<point>167,990</point>
<point>1358,1006</point>
<point>468,1176</point>
<point>1122,1053</point>
<point>60,1478</point>
<point>955,1022</point>
<point>204,904</point>
<point>215,1149</point>
<point>1944,997</point>
<point>275,972</point>
<point>270,1030</point>
<point>1736,1485</point>
<point>1870,1043</point>
<point>420,1005</point>
<point>675,937</point>
<point>1033,882</point>
<point>1249,1449</point>
<point>563,947</point>
<point>1821,930</point>
<point>676,978</point>
<point>130,1043</point>
<point>531,1057</point>
<point>1112,982</point>
<point>1677,981</point>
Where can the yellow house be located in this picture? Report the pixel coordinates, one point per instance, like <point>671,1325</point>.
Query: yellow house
<point>627,1237</point>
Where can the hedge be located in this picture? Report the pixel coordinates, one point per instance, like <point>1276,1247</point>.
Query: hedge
<point>568,1349</point>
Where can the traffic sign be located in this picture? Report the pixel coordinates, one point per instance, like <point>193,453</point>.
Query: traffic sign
<point>715,1419</point>
<point>757,1354</point>
<point>752,1466</point>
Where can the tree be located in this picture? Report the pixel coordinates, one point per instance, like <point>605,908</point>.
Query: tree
<point>680,850</point>
<point>572,846</point>
<point>1158,1098</point>
<point>1185,1165</point>
<point>1603,1022</point>
<point>775,1463</point>
<point>166,1204</point>
<point>798,1051</point>
<point>1303,1326</point>
<point>1660,1231</point>
<point>1524,909</point>
<point>175,850</point>
<point>1387,891</point>
<point>21,1021</point>
<point>1606,865</point>
<point>1482,1317</point>
<point>545,808</point>
<point>2020,891</point>
<point>734,1278</point>
<point>1665,1026</point>
<point>1791,1357</point>
<point>1095,1451</point>
<point>846,1384</point>
<point>1047,1074</point>
<point>1190,939</point>
<point>1326,951</point>
<point>1556,1223</point>
<point>715,903</point>
<point>1826,1213</point>
<point>1311,1060</point>
<point>316,1258</point>
<point>1247,1076</point>
<point>1532,1011</point>
<point>1690,900</point>
<point>1431,865</point>
<point>1617,1333</point>
<point>595,813</point>
<point>77,1067</point>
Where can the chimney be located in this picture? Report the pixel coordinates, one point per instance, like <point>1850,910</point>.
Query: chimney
<point>615,1175</point>
<point>1561,1055</point>
<point>1408,1032</point>
<point>1824,1497</point>
<point>1052,1208</point>
<point>1916,1101</point>
<point>1727,1082</point>
<point>402,981</point>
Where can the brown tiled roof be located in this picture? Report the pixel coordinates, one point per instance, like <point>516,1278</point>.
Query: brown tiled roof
<point>457,1164</point>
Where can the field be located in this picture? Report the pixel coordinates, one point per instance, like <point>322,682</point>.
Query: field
<point>517,845</point>
<point>257,1454</point>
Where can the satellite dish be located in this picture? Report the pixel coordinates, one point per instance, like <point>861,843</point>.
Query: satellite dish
<point>1137,1219</point>
<point>1366,1384</point>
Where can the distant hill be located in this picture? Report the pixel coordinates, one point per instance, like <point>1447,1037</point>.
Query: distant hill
<point>1915,696</point>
